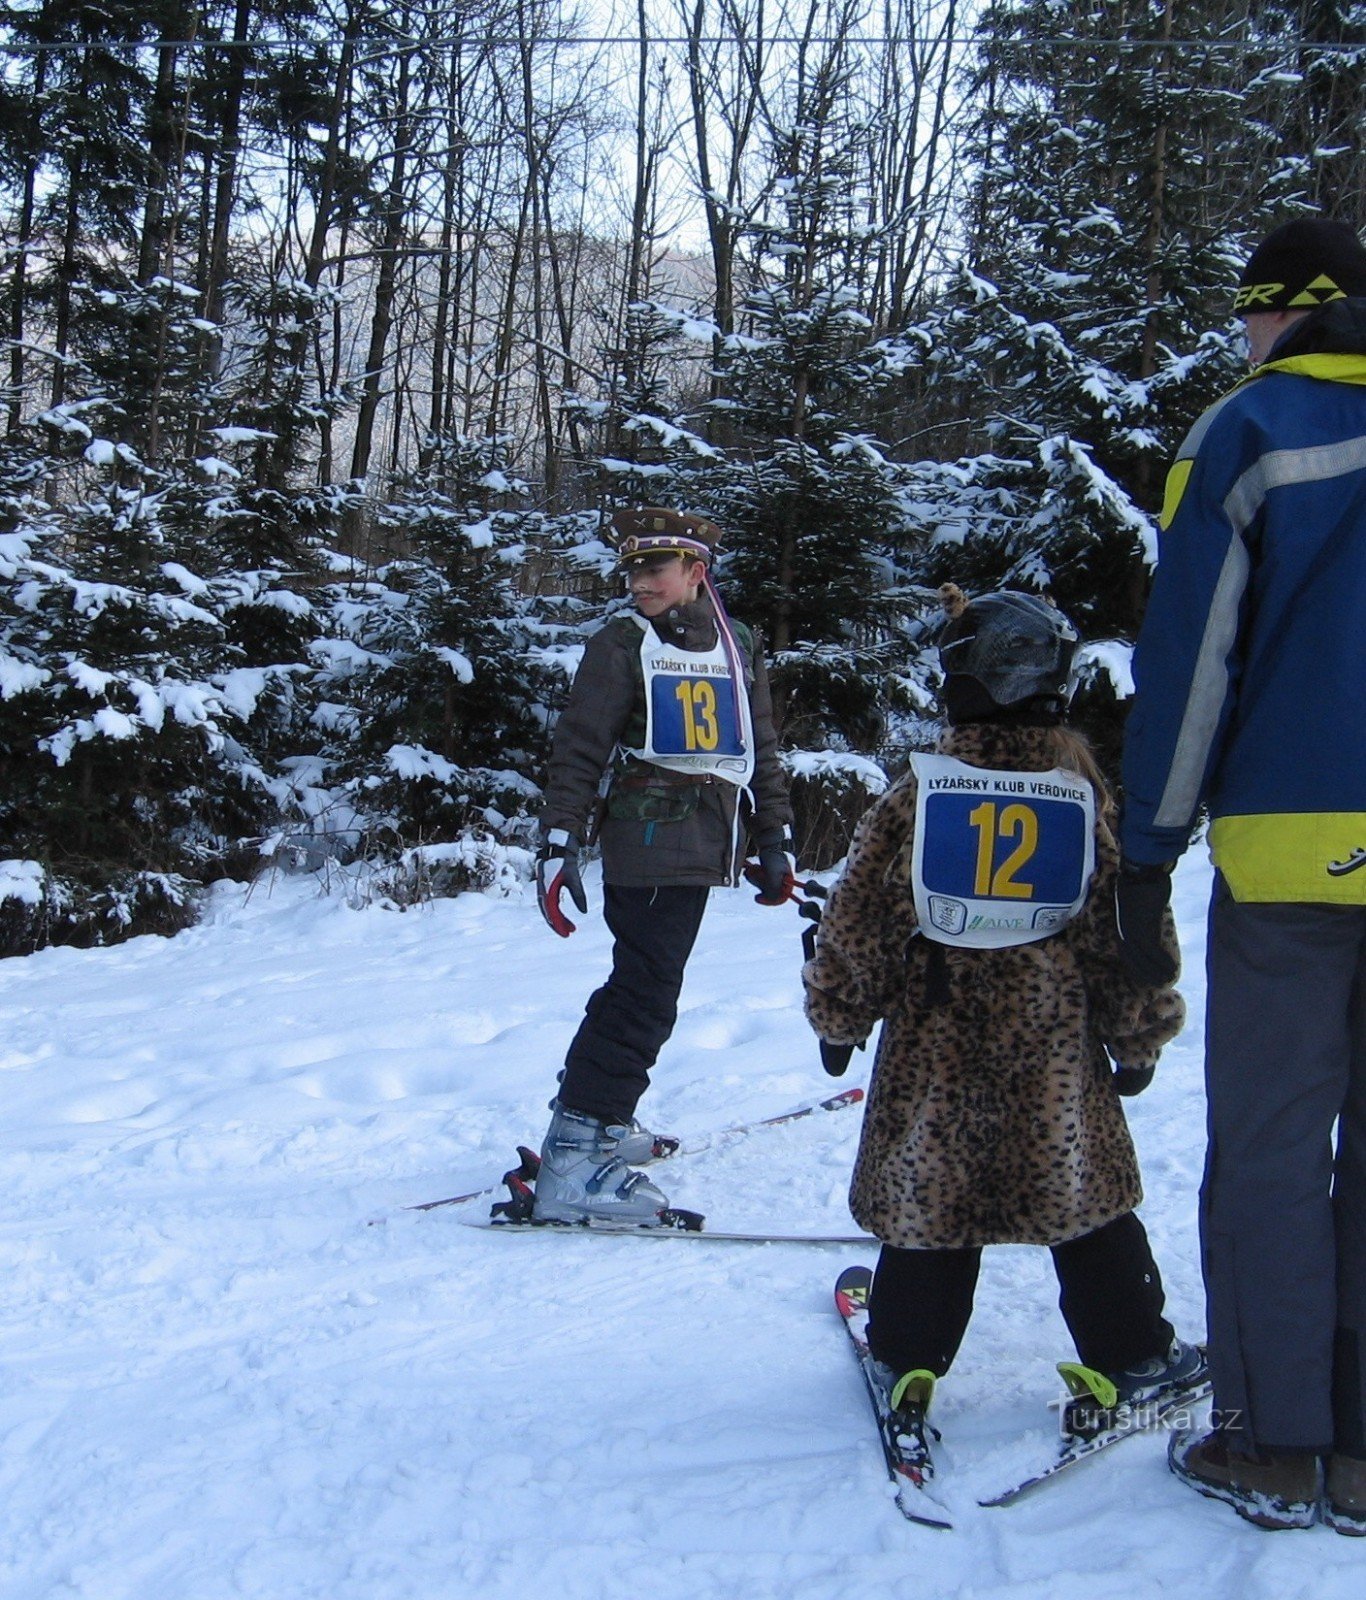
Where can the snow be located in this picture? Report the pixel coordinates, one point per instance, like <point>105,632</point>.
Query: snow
<point>229,436</point>
<point>182,576</point>
<point>1107,658</point>
<point>19,677</point>
<point>412,762</point>
<point>462,668</point>
<point>836,763</point>
<point>221,1382</point>
<point>22,881</point>
<point>91,680</point>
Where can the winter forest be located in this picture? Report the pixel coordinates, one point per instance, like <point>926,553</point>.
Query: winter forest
<point>332,330</point>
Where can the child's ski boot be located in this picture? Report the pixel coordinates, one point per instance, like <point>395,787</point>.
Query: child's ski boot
<point>1102,1400</point>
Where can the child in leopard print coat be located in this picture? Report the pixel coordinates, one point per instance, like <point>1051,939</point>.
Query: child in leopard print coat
<point>975,916</point>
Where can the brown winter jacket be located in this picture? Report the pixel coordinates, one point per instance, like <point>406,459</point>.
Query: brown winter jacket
<point>992,1117</point>
<point>659,828</point>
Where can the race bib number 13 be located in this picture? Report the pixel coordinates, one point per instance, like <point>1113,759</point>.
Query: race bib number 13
<point>693,716</point>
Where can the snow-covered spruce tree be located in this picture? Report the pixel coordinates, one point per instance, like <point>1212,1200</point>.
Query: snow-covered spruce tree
<point>1322,78</point>
<point>433,688</point>
<point>644,417</point>
<point>806,491</point>
<point>121,776</point>
<point>1118,178</point>
<point>159,701</point>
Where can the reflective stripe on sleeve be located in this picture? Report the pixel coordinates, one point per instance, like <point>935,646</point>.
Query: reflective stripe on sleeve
<point>1209,682</point>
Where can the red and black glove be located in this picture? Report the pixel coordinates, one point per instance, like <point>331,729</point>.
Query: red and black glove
<point>774,874</point>
<point>557,869</point>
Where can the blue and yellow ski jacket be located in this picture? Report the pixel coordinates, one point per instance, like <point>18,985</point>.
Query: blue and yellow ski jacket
<point>1251,663</point>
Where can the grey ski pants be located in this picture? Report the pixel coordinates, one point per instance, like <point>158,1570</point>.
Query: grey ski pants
<point>1283,1205</point>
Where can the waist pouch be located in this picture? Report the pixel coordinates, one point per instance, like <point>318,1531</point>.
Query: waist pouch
<point>655,796</point>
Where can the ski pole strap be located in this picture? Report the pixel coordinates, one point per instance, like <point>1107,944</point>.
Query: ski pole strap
<point>728,644</point>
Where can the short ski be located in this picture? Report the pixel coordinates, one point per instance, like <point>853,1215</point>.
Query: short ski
<point>1128,1421</point>
<point>908,1461</point>
<point>664,1146</point>
<point>515,1215</point>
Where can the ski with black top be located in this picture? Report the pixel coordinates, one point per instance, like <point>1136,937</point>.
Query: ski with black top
<point>1103,1424</point>
<point>909,1462</point>
<point>665,1146</point>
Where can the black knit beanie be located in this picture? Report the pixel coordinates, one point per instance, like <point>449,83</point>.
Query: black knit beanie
<point>1303,264</point>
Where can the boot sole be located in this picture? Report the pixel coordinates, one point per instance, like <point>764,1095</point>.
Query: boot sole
<point>1299,1515</point>
<point>569,1216</point>
<point>1352,1523</point>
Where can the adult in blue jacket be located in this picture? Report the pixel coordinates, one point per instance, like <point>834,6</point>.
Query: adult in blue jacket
<point>1251,702</point>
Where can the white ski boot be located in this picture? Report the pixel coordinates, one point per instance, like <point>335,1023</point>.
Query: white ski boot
<point>584,1178</point>
<point>635,1143</point>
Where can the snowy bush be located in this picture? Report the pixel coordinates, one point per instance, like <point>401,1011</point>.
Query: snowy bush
<point>831,789</point>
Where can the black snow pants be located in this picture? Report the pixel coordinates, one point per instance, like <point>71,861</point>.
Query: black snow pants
<point>1110,1295</point>
<point>628,1019</point>
<point>1282,1211</point>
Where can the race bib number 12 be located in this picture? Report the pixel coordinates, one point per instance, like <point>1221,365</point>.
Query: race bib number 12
<point>1000,858</point>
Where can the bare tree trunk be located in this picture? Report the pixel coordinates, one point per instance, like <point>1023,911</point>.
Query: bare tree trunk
<point>497,410</point>
<point>452,166</point>
<point>286,442</point>
<point>226,159</point>
<point>19,278</point>
<point>383,313</point>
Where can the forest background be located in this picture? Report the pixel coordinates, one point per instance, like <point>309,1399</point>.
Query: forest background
<point>333,330</point>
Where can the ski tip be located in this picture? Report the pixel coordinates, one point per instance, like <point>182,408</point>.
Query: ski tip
<point>907,1499</point>
<point>852,1278</point>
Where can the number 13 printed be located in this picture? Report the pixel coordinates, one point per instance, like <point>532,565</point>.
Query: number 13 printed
<point>701,730</point>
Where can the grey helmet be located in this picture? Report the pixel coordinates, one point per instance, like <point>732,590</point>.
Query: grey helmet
<point>1016,646</point>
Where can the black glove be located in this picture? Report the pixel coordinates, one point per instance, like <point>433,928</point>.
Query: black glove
<point>1132,1080</point>
<point>557,868</point>
<point>775,873</point>
<point>1142,894</point>
<point>835,1058</point>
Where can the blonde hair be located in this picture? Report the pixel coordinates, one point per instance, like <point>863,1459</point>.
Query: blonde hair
<point>1072,750</point>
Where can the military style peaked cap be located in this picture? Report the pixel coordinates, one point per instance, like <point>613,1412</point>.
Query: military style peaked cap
<point>1303,264</point>
<point>642,531</point>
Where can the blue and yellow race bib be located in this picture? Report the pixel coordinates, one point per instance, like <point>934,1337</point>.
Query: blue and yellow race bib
<point>693,713</point>
<point>697,714</point>
<point>999,858</point>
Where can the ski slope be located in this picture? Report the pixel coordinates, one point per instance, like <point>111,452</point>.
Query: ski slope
<point>220,1382</point>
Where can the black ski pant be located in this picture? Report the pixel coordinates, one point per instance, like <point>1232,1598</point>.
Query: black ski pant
<point>1110,1295</point>
<point>1282,1207</point>
<point>628,1019</point>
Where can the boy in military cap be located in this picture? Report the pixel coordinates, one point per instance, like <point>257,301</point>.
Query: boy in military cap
<point>671,704</point>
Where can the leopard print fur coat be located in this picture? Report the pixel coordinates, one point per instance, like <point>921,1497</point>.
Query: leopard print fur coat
<point>992,1116</point>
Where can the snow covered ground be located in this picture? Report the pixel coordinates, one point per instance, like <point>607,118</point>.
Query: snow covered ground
<point>220,1381</point>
